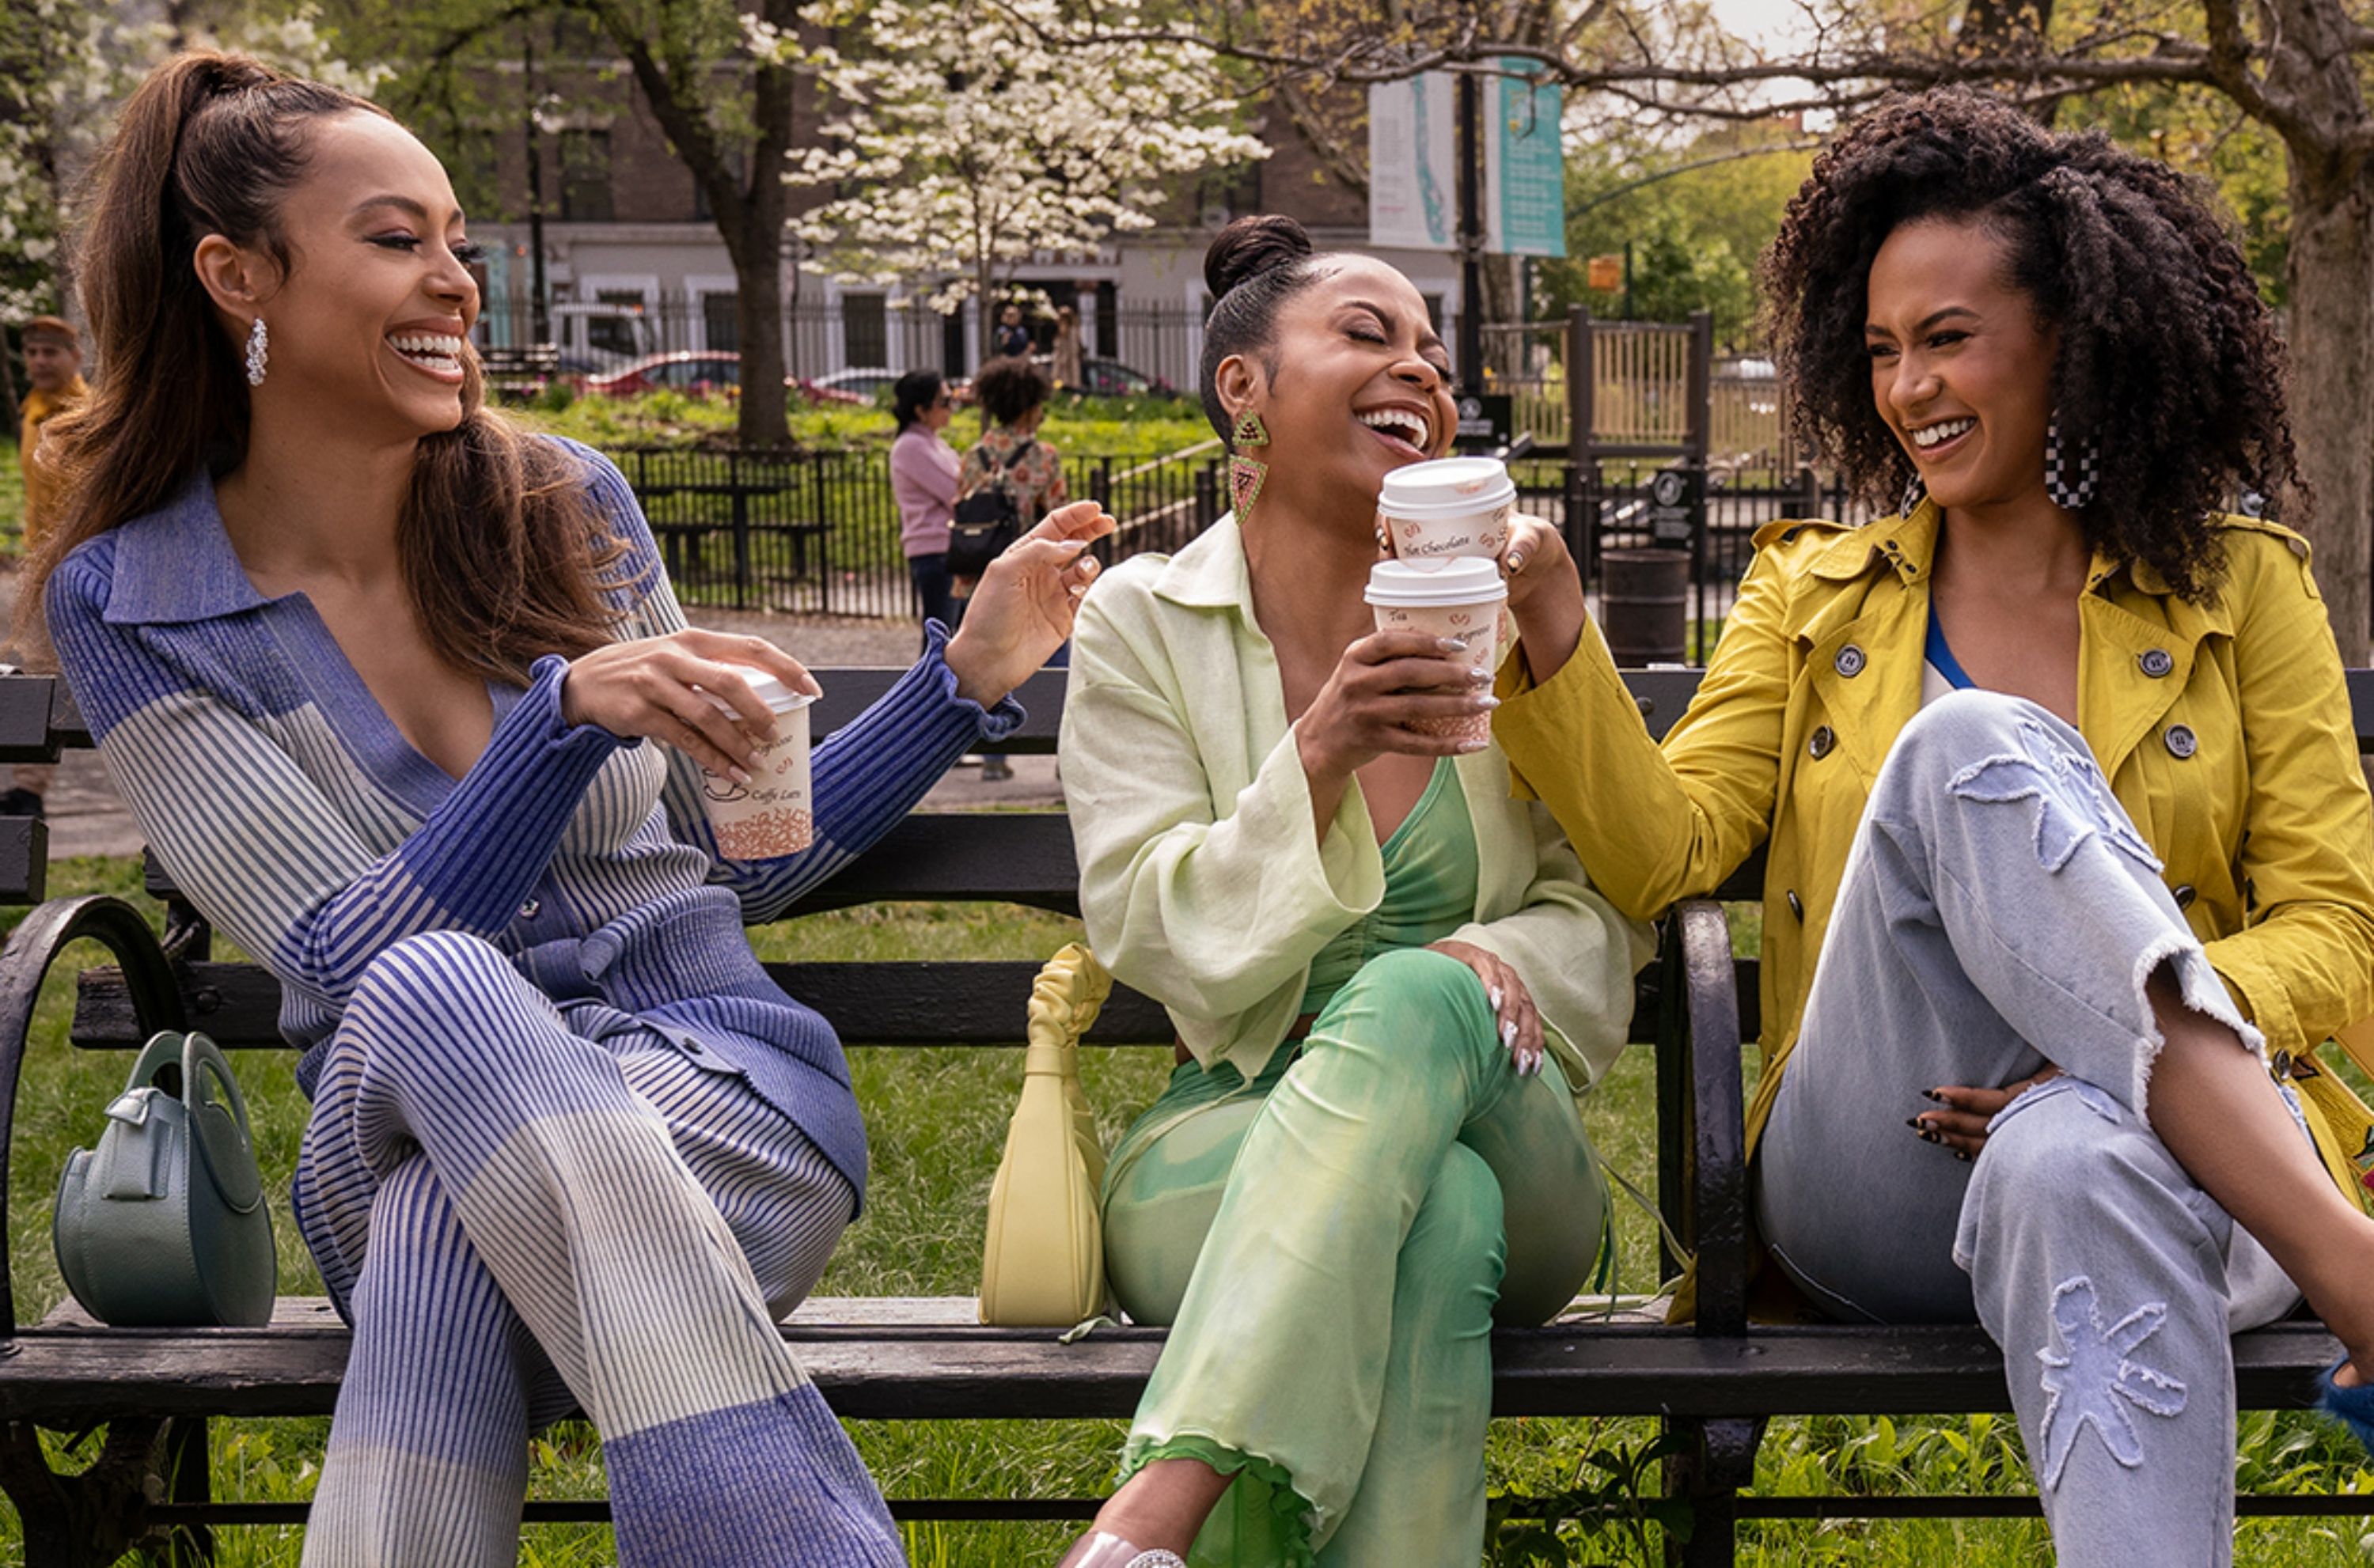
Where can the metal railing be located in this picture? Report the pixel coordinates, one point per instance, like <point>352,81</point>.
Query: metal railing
<point>816,531</point>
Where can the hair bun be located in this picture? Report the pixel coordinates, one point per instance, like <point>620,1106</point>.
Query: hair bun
<point>1250,246</point>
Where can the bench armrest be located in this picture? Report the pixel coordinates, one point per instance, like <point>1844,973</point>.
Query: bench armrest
<point>1701,1124</point>
<point>32,948</point>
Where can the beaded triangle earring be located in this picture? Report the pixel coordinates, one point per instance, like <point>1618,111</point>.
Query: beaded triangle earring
<point>1246,473</point>
<point>1245,476</point>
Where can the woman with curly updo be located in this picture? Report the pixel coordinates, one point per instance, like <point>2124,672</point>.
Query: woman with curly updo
<point>1392,982</point>
<point>2071,865</point>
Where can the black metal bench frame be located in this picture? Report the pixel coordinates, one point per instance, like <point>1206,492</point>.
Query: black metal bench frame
<point>1714,1384</point>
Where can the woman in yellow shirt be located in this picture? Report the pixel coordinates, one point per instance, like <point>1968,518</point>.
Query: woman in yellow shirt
<point>2031,948</point>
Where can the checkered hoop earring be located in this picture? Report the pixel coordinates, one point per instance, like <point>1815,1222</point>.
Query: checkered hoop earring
<point>1916,490</point>
<point>2070,472</point>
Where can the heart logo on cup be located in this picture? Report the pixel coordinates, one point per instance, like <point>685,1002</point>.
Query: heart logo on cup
<point>1410,533</point>
<point>1461,620</point>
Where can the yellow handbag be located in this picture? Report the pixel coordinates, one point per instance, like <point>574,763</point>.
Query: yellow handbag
<point>1043,1264</point>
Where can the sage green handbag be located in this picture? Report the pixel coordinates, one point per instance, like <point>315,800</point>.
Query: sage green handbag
<point>164,1225</point>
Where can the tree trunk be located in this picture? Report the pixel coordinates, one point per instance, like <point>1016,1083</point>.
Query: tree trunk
<point>2332,342</point>
<point>764,420</point>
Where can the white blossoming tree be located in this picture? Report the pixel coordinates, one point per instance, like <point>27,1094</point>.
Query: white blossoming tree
<point>960,142</point>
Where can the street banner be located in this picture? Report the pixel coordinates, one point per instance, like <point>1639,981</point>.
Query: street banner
<point>1414,163</point>
<point>1524,167</point>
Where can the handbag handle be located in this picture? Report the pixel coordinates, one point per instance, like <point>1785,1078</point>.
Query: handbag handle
<point>220,1123</point>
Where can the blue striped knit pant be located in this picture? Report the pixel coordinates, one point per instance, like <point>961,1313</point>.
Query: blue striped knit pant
<point>524,1208</point>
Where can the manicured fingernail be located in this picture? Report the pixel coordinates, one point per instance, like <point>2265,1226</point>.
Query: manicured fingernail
<point>737,775</point>
<point>1933,1136</point>
<point>1963,1155</point>
<point>1495,994</point>
<point>1509,1036</point>
<point>1453,644</point>
<point>1484,702</point>
<point>1479,676</point>
<point>1468,748</point>
<point>1516,564</point>
<point>1915,1123</point>
<point>1932,1096</point>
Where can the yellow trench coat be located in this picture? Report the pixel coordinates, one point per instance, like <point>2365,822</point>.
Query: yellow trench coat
<point>2224,729</point>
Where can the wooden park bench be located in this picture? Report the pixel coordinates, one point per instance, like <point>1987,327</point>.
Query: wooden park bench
<point>1714,1384</point>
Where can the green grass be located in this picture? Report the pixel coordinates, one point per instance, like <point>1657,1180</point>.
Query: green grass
<point>937,1119</point>
<point>12,496</point>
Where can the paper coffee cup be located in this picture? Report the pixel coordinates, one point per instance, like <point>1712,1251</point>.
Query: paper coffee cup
<point>1450,508</point>
<point>1460,597</point>
<point>774,815</point>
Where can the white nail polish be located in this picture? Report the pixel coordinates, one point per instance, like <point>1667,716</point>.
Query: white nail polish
<point>1496,999</point>
<point>1509,1036</point>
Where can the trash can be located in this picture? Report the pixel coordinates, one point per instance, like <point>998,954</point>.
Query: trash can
<point>1644,600</point>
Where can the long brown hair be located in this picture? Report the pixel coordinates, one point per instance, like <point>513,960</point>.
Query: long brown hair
<point>504,559</point>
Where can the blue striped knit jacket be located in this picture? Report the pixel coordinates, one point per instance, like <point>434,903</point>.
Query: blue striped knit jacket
<point>292,812</point>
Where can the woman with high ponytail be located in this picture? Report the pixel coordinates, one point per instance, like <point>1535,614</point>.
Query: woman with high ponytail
<point>404,702</point>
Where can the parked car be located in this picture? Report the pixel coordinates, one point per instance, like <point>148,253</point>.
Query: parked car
<point>699,371</point>
<point>693,372</point>
<point>864,381</point>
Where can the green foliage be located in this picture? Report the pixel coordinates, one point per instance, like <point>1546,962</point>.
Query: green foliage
<point>1695,235</point>
<point>1133,429</point>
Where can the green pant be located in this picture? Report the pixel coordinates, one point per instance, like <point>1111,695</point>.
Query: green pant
<point>1332,1243</point>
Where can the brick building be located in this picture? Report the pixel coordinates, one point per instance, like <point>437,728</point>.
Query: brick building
<point>634,264</point>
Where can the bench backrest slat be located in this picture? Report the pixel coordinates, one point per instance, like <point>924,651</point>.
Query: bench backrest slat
<point>977,1003</point>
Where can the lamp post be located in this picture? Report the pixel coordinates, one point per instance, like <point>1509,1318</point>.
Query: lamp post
<point>1471,233</point>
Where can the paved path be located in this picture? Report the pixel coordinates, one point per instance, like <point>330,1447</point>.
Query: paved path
<point>87,817</point>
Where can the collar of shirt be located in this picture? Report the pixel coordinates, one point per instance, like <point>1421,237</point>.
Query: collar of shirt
<point>176,564</point>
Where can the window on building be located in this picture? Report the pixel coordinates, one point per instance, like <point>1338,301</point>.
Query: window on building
<point>585,176</point>
<point>720,327</point>
<point>866,329</point>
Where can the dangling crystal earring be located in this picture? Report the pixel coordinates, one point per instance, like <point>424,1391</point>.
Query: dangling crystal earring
<point>259,352</point>
<point>1916,490</point>
<point>2069,477</point>
<point>1246,473</point>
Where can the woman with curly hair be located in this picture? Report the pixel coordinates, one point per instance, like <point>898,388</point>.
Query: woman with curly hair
<point>2070,864</point>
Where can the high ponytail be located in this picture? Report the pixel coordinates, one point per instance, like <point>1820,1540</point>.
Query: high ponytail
<point>498,542</point>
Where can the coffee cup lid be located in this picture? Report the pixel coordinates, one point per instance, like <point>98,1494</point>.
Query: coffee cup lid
<point>1464,580</point>
<point>779,697</point>
<point>1444,486</point>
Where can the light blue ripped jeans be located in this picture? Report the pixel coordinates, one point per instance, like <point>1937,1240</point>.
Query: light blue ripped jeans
<point>1999,910</point>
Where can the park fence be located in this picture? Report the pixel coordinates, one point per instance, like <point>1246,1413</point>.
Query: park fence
<point>815,531</point>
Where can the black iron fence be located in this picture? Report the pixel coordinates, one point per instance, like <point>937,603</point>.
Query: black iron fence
<point>816,531</point>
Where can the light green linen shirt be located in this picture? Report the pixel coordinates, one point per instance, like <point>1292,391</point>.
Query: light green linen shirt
<point>1201,881</point>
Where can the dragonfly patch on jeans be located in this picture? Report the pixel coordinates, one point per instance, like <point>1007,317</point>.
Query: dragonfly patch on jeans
<point>2094,1380</point>
<point>2073,803</point>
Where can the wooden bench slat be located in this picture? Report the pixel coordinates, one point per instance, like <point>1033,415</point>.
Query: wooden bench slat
<point>881,1003</point>
<point>873,1373</point>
